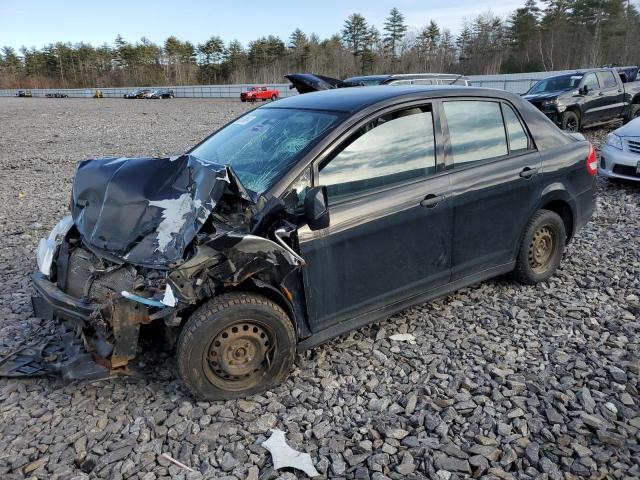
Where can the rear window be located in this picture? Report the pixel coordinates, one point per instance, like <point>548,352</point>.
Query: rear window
<point>476,131</point>
<point>608,80</point>
<point>518,139</point>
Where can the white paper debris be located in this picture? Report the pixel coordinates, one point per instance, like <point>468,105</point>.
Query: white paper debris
<point>169,298</point>
<point>403,337</point>
<point>284,456</point>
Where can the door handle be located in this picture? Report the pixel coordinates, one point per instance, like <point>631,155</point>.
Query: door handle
<point>528,172</point>
<point>431,200</point>
<point>601,94</point>
<point>619,90</point>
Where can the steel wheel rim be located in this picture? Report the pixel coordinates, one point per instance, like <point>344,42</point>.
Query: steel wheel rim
<point>541,249</point>
<point>238,357</point>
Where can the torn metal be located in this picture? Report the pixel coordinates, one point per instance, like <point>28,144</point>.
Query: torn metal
<point>148,240</point>
<point>284,456</point>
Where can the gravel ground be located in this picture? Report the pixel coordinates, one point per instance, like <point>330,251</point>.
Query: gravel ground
<point>503,381</point>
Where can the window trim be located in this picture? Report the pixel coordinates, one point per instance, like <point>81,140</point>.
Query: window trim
<point>446,137</point>
<point>330,149</point>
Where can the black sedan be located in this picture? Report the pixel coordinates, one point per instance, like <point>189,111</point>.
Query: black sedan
<point>162,93</point>
<point>306,218</point>
<point>140,93</point>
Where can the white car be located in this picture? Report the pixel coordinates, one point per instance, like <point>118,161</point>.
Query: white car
<point>620,157</point>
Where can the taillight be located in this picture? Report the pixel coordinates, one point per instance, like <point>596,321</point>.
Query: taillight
<point>592,161</point>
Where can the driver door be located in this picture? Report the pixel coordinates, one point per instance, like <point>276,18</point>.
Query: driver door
<point>389,236</point>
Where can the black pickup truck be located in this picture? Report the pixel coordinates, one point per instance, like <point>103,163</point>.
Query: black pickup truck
<point>589,97</point>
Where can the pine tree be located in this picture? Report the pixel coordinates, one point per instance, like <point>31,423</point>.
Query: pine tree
<point>354,33</point>
<point>395,30</point>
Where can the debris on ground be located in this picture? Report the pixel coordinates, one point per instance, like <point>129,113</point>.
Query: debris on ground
<point>284,456</point>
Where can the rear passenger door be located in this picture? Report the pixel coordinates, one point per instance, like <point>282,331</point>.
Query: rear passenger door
<point>494,179</point>
<point>611,94</point>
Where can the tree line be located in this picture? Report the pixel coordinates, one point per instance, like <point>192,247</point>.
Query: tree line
<point>540,36</point>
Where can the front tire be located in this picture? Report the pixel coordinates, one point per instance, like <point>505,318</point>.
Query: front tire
<point>235,345</point>
<point>541,248</point>
<point>570,121</point>
<point>274,98</point>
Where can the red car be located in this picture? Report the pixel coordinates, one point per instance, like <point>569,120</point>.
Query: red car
<point>258,92</point>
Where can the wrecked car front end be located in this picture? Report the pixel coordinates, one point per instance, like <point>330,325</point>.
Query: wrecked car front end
<point>147,240</point>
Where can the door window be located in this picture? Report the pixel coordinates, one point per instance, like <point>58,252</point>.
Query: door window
<point>608,80</point>
<point>518,139</point>
<point>476,131</point>
<point>591,81</point>
<point>392,149</point>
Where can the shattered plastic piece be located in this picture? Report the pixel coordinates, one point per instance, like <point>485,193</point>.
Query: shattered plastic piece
<point>146,301</point>
<point>403,337</point>
<point>284,456</point>
<point>47,246</point>
<point>169,298</point>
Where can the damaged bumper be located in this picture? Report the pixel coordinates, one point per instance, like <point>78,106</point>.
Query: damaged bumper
<point>52,302</point>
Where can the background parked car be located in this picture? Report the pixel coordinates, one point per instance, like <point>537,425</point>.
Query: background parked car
<point>98,94</point>
<point>411,79</point>
<point>259,92</point>
<point>24,93</point>
<point>56,95</point>
<point>577,100</point>
<point>162,93</point>
<point>309,82</point>
<point>620,157</point>
<point>140,93</point>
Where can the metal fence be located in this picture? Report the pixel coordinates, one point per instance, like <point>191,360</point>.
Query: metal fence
<point>515,82</point>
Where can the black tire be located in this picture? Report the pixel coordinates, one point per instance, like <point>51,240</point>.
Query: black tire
<point>207,353</point>
<point>274,98</point>
<point>541,248</point>
<point>570,121</point>
<point>242,100</point>
<point>634,112</point>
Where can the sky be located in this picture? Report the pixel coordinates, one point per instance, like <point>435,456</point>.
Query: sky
<point>36,23</point>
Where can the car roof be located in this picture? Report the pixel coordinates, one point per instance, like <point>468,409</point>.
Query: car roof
<point>353,99</point>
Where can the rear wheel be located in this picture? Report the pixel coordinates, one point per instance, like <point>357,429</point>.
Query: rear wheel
<point>570,121</point>
<point>541,248</point>
<point>235,345</point>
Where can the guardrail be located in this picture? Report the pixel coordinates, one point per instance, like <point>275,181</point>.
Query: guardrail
<point>190,91</point>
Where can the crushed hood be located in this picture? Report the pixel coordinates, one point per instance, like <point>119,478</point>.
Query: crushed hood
<point>146,211</point>
<point>309,82</point>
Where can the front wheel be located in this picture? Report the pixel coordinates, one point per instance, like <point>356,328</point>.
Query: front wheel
<point>274,98</point>
<point>570,121</point>
<point>541,248</point>
<point>235,345</point>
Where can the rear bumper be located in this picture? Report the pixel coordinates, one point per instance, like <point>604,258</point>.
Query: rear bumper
<point>585,207</point>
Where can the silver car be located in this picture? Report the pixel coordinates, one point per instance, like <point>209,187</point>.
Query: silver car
<point>620,157</point>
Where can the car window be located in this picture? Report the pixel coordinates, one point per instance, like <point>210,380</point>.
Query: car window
<point>591,81</point>
<point>392,149</point>
<point>400,82</point>
<point>608,80</point>
<point>422,82</point>
<point>476,130</point>
<point>518,139</point>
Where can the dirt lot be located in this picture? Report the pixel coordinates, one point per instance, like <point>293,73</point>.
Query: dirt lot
<point>503,381</point>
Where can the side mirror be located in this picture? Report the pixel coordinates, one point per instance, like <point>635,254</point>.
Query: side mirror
<point>585,90</point>
<point>316,208</point>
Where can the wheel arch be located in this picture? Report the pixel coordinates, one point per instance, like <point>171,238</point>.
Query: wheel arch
<point>556,198</point>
